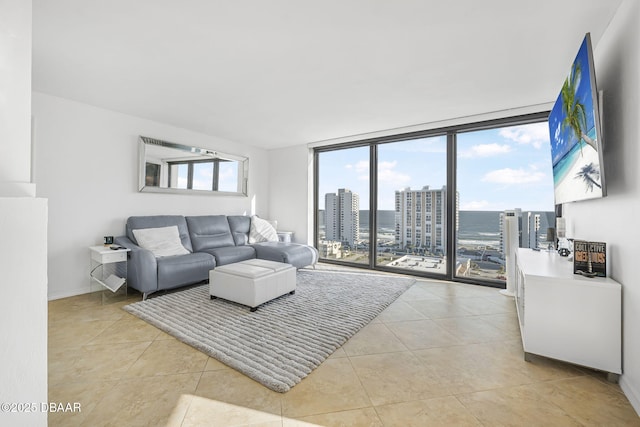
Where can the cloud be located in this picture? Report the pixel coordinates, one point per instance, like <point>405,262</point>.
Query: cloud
<point>485,150</point>
<point>513,176</point>
<point>362,166</point>
<point>536,134</point>
<point>387,174</point>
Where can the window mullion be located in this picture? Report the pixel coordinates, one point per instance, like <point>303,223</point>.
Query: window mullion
<point>373,204</point>
<point>190,175</point>
<point>451,219</point>
<point>216,175</point>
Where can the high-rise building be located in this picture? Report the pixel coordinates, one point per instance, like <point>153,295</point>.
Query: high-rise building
<point>528,229</point>
<point>342,221</point>
<point>421,218</point>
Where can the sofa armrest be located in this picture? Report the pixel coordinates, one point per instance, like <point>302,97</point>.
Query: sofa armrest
<point>142,268</point>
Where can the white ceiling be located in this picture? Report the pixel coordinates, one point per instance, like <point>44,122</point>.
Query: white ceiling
<point>278,73</point>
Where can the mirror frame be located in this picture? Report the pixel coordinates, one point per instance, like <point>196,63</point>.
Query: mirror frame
<point>144,142</point>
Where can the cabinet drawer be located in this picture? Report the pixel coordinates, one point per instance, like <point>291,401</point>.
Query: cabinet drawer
<point>109,257</point>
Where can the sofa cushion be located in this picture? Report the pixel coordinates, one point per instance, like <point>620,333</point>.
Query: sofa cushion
<point>209,232</point>
<point>239,226</point>
<point>261,231</point>
<point>161,241</point>
<point>231,254</point>
<point>156,221</point>
<point>182,270</point>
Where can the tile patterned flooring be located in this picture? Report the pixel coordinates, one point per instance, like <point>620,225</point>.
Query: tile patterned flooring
<point>443,354</point>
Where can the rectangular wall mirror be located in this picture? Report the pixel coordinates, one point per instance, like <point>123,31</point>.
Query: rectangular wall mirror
<point>176,168</point>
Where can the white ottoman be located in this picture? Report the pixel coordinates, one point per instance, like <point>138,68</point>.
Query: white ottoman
<point>252,282</point>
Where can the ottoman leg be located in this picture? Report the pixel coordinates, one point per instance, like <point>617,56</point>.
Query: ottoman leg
<point>292,292</point>
<point>253,309</point>
<point>213,296</point>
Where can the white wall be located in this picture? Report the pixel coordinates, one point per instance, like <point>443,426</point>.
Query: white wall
<point>86,163</point>
<point>291,191</point>
<point>23,227</point>
<point>614,219</point>
<point>15,107</point>
<point>23,308</point>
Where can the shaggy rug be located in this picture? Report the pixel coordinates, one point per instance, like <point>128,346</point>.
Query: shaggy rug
<point>286,338</point>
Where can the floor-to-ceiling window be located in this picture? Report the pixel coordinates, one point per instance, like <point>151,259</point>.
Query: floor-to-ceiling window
<point>501,171</point>
<point>342,202</point>
<point>412,205</point>
<point>431,203</point>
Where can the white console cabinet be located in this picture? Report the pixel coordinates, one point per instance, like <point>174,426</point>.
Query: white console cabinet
<point>566,316</point>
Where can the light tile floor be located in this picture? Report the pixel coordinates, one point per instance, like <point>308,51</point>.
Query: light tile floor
<point>443,354</point>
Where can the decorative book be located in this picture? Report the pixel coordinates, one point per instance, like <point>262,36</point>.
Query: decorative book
<point>590,258</point>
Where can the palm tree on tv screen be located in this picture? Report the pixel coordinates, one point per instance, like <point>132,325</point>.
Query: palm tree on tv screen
<point>590,175</point>
<point>575,115</point>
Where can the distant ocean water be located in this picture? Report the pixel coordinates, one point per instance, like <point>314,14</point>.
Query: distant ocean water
<point>476,227</point>
<point>479,228</point>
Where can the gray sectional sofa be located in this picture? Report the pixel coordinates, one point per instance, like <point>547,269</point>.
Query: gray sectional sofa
<point>209,241</point>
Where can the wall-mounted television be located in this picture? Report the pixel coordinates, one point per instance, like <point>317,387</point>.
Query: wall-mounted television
<point>576,133</point>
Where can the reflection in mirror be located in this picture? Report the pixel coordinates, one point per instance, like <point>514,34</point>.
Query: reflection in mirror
<point>176,168</point>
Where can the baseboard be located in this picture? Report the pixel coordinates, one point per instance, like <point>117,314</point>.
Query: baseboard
<point>632,394</point>
<point>67,294</point>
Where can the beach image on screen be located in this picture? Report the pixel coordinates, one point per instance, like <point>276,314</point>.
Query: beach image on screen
<point>574,136</point>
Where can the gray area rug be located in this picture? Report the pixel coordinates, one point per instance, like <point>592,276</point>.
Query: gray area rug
<point>287,338</point>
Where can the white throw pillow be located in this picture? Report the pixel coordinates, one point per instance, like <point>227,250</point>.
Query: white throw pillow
<point>161,241</point>
<point>261,230</point>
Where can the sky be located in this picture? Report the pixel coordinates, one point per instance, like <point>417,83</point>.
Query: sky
<point>203,176</point>
<point>498,169</point>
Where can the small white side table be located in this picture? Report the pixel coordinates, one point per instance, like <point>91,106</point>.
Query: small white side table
<point>108,273</point>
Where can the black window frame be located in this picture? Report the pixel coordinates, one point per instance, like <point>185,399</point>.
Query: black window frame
<point>450,132</point>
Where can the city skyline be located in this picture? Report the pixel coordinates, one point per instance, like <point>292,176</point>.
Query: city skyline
<point>498,169</point>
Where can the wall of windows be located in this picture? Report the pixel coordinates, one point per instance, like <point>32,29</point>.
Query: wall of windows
<point>430,203</point>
